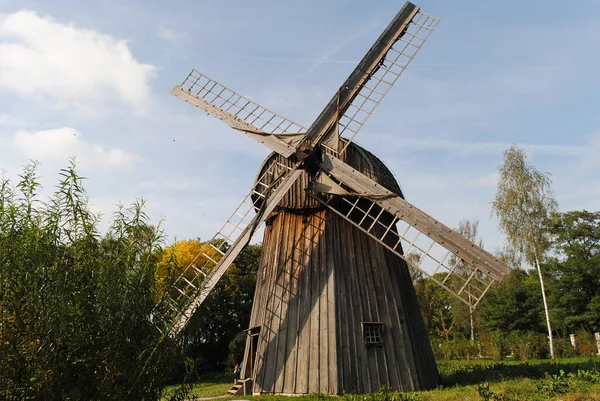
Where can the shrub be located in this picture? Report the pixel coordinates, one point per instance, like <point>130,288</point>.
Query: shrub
<point>76,307</point>
<point>586,344</point>
<point>554,384</point>
<point>563,348</point>
<point>237,346</point>
<point>494,345</point>
<point>528,345</point>
<point>457,347</point>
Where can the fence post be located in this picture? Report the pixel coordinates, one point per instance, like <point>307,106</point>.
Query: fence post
<point>598,342</point>
<point>573,342</point>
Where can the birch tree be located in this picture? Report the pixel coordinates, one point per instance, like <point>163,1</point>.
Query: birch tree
<point>524,202</point>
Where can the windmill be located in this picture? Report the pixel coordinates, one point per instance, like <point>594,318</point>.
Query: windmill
<point>335,310</point>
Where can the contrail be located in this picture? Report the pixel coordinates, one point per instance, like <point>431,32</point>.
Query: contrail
<point>309,60</point>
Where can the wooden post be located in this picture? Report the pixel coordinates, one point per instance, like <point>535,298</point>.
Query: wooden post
<point>573,342</point>
<point>597,342</point>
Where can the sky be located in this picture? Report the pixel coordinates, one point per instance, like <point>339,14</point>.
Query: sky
<point>91,80</point>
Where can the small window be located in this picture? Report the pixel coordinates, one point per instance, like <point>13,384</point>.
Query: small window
<point>373,333</point>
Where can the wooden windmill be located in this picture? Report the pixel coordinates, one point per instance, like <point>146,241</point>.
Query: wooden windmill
<point>335,310</point>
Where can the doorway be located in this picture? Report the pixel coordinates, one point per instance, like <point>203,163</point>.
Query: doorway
<point>253,343</point>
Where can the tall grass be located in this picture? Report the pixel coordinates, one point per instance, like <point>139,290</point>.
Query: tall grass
<point>75,305</point>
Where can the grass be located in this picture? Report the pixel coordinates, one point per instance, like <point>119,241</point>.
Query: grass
<point>210,386</point>
<point>573,379</point>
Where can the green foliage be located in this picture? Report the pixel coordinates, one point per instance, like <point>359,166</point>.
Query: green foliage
<point>526,346</point>
<point>223,315</point>
<point>435,307</point>
<point>483,389</point>
<point>76,306</point>
<point>590,376</point>
<point>554,384</point>
<point>494,345</point>
<point>513,304</point>
<point>564,348</point>
<point>475,372</point>
<point>457,347</point>
<point>586,344</point>
<point>574,276</point>
<point>465,317</point>
<point>236,347</point>
<point>523,204</point>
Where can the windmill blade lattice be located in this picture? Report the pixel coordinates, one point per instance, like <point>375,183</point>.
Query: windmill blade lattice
<point>446,257</point>
<point>239,112</point>
<point>389,68</point>
<point>374,76</point>
<point>198,279</point>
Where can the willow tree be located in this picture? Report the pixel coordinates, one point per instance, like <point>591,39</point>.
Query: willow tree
<point>524,202</point>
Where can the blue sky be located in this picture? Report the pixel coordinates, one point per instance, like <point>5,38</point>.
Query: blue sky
<point>91,79</point>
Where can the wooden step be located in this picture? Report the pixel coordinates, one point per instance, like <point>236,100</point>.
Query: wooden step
<point>239,388</point>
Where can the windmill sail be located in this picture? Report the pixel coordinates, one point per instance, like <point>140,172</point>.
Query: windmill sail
<point>374,76</point>
<point>240,113</point>
<point>195,283</point>
<point>446,257</point>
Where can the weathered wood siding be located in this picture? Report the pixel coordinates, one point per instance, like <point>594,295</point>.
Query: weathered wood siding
<point>322,279</point>
<point>374,285</point>
<point>294,305</point>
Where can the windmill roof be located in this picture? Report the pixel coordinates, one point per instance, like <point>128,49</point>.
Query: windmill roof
<point>356,156</point>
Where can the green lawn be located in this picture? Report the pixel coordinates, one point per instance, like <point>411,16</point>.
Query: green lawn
<point>574,379</point>
<point>212,386</point>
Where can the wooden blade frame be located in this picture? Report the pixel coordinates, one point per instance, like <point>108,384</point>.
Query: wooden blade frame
<point>467,271</point>
<point>375,75</point>
<point>239,112</point>
<point>197,280</point>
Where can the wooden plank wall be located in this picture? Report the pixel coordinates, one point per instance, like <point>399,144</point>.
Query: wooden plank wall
<point>295,307</point>
<point>320,285</point>
<point>373,285</point>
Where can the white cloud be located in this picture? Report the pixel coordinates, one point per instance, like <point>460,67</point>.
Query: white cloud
<point>170,35</point>
<point>45,59</point>
<point>61,143</point>
<point>585,151</point>
<point>488,180</point>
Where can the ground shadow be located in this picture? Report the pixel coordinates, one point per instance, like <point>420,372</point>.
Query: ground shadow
<point>465,373</point>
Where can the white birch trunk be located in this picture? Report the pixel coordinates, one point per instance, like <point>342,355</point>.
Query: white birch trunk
<point>550,338</point>
<point>472,324</point>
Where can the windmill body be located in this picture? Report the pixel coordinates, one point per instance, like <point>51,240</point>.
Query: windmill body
<point>334,311</point>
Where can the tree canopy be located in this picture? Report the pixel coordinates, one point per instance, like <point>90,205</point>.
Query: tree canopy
<point>575,271</point>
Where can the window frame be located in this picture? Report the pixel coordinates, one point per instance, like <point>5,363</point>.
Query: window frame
<point>369,336</point>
